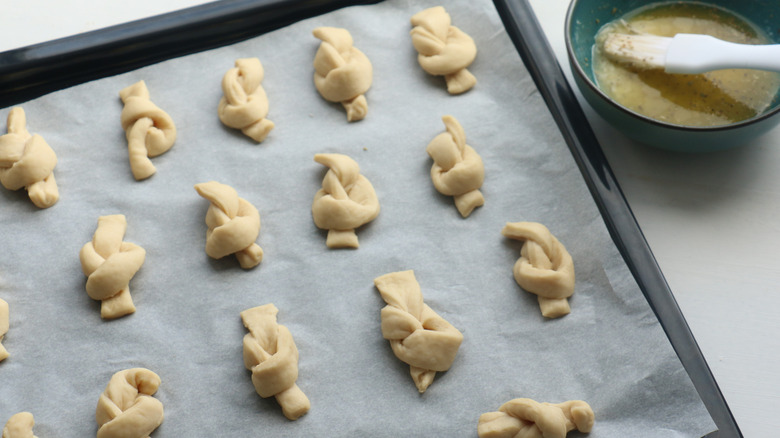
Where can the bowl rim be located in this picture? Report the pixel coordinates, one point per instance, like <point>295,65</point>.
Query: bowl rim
<point>595,88</point>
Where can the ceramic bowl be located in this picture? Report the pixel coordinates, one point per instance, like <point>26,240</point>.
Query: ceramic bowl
<point>585,17</point>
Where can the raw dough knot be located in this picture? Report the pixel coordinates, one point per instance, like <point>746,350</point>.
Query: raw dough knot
<point>544,268</point>
<point>109,264</point>
<point>245,104</point>
<point>27,161</point>
<point>417,334</point>
<point>346,200</point>
<point>149,130</point>
<point>526,418</point>
<point>342,73</point>
<point>457,168</point>
<point>271,355</point>
<point>234,225</point>
<point>126,408</point>
<point>443,49</point>
<point>4,326</point>
<point>19,426</point>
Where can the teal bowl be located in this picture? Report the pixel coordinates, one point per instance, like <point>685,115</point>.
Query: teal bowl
<point>583,20</point>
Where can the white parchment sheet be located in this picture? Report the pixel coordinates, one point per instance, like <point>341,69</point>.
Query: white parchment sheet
<point>610,351</point>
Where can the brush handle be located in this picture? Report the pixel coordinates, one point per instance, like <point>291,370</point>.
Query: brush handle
<point>692,54</point>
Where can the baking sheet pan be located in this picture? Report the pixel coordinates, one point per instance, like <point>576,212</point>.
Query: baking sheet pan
<point>88,60</point>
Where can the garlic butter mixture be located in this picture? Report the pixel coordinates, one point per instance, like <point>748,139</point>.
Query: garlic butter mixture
<point>710,99</point>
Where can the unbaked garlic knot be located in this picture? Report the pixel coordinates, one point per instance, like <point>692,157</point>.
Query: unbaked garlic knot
<point>233,225</point>
<point>270,353</point>
<point>126,408</point>
<point>443,49</point>
<point>19,426</point>
<point>526,418</point>
<point>4,326</point>
<point>149,130</point>
<point>346,201</point>
<point>245,104</point>
<point>544,268</point>
<point>457,168</point>
<point>27,161</point>
<point>342,73</point>
<point>110,264</point>
<point>418,336</point>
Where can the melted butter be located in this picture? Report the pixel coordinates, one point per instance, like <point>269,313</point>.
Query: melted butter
<point>710,99</point>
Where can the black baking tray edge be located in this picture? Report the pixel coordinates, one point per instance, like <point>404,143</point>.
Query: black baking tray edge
<point>527,35</point>
<point>30,72</point>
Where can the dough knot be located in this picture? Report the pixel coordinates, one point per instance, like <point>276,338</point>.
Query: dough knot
<point>19,426</point>
<point>149,130</point>
<point>126,408</point>
<point>342,73</point>
<point>526,418</point>
<point>443,49</point>
<point>544,268</point>
<point>245,104</point>
<point>418,336</point>
<point>457,168</point>
<point>110,264</point>
<point>27,161</point>
<point>270,353</point>
<point>346,200</point>
<point>4,326</point>
<point>233,225</point>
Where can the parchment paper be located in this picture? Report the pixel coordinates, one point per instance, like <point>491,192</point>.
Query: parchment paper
<point>610,351</point>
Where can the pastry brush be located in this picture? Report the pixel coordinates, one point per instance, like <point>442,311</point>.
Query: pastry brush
<point>689,53</point>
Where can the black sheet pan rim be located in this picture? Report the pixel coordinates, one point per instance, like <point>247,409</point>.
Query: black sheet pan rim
<point>30,72</point>
<point>529,39</point>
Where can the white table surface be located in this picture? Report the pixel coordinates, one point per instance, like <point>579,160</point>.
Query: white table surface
<point>711,220</point>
